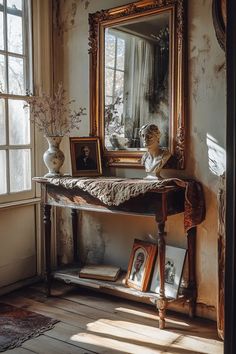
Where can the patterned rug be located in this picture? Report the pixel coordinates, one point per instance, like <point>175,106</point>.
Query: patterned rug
<point>17,325</point>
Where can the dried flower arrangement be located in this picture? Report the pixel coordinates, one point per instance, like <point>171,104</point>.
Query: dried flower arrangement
<point>52,114</point>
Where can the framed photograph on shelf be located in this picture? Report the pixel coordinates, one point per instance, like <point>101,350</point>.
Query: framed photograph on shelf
<point>140,264</point>
<point>85,157</point>
<point>174,263</point>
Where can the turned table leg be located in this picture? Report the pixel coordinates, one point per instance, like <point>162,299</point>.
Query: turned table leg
<point>47,234</point>
<point>191,236</point>
<point>161,302</point>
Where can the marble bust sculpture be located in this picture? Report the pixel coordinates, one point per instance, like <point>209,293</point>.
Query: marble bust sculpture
<point>155,157</point>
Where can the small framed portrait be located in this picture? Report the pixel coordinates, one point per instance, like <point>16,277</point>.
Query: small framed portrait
<point>174,263</point>
<point>140,264</point>
<point>85,157</point>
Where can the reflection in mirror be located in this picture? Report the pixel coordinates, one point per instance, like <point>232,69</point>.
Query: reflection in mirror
<point>137,81</point>
<point>137,67</point>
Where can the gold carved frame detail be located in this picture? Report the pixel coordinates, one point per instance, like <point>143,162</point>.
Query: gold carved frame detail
<point>105,18</point>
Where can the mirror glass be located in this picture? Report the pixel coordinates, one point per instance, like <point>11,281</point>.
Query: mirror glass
<point>136,80</point>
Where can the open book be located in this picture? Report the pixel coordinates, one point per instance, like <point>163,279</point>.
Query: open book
<point>103,272</point>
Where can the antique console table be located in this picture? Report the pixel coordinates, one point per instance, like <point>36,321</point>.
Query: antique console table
<point>133,196</point>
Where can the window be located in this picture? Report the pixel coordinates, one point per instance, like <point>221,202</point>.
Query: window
<point>115,60</point>
<point>115,55</point>
<point>16,138</point>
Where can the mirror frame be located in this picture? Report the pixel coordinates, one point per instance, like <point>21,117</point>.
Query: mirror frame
<point>98,22</point>
<point>219,20</point>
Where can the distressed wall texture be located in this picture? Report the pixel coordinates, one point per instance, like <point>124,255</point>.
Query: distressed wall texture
<point>108,238</point>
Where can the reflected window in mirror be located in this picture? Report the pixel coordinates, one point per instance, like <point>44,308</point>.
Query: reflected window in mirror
<point>115,54</point>
<point>136,81</point>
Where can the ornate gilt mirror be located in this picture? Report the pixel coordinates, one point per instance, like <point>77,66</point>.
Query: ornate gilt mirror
<point>137,67</point>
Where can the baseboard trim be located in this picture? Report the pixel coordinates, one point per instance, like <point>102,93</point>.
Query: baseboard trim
<point>20,284</point>
<point>202,310</point>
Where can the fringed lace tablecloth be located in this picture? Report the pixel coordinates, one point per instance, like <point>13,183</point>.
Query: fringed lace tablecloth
<point>113,191</point>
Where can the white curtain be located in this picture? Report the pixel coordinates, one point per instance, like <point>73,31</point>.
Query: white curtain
<point>138,86</point>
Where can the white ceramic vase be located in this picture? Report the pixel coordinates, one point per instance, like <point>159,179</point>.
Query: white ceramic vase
<point>53,157</point>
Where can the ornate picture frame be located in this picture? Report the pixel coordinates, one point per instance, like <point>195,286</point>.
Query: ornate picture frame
<point>174,263</point>
<point>85,156</point>
<point>140,264</point>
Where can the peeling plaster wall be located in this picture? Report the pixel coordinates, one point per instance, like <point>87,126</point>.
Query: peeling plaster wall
<point>207,130</point>
<point>109,238</point>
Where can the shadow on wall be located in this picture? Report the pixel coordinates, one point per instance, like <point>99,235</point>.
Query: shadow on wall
<point>93,245</point>
<point>64,17</point>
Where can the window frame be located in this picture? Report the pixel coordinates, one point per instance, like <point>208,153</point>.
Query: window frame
<point>6,96</point>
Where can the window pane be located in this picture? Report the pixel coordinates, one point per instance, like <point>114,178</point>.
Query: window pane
<point>119,84</point>
<point>108,100</point>
<point>110,45</point>
<point>15,4</point>
<point>14,34</point>
<point>109,78</point>
<point>16,76</point>
<point>120,53</point>
<point>119,108</point>
<point>2,74</point>
<point>1,31</point>
<point>2,124</point>
<point>20,170</point>
<point>3,172</point>
<point>19,123</point>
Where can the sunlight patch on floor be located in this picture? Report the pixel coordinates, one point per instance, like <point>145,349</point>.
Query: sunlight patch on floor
<point>129,331</point>
<point>137,313</point>
<point>129,337</point>
<point>119,345</point>
<point>150,316</point>
<point>204,345</point>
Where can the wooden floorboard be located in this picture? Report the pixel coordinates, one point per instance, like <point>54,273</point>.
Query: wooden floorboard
<point>19,351</point>
<point>96,323</point>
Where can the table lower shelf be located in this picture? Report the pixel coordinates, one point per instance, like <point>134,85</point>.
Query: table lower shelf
<point>117,288</point>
